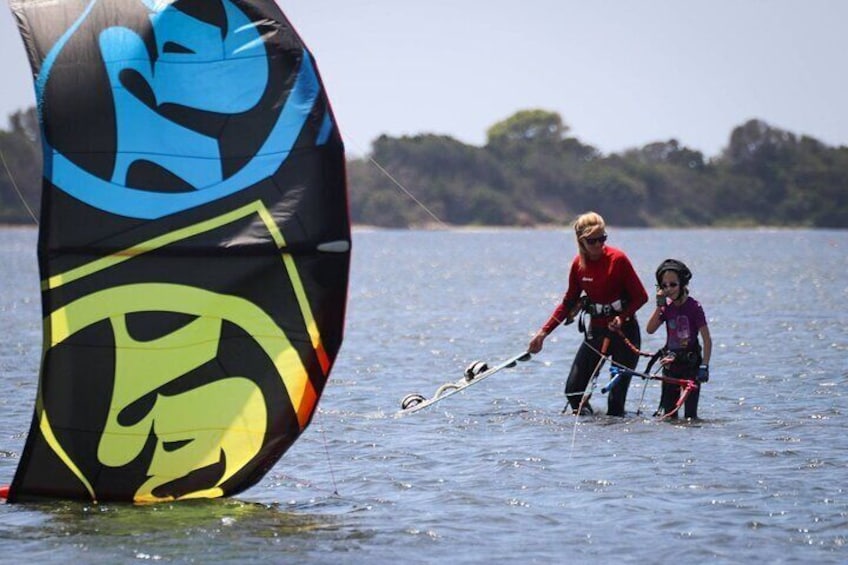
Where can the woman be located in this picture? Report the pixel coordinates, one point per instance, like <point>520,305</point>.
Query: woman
<point>603,282</point>
<point>684,321</point>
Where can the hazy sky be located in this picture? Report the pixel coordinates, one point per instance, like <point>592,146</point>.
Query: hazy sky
<point>621,73</point>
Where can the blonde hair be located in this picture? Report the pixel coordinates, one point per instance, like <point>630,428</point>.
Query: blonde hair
<point>584,224</point>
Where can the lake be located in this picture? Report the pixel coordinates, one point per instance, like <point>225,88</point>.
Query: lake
<point>497,473</point>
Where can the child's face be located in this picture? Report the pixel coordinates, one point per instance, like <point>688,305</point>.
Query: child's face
<point>670,285</point>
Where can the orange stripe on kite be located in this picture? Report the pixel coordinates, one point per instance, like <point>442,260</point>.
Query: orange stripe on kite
<point>307,405</point>
<point>323,359</point>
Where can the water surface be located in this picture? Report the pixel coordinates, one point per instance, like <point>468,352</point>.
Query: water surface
<point>497,473</point>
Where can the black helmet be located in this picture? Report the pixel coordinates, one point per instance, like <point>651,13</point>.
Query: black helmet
<point>678,267</point>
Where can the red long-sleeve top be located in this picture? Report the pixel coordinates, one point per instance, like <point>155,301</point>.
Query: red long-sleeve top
<point>605,280</point>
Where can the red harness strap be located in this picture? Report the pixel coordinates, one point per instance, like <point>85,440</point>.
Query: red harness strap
<point>686,388</point>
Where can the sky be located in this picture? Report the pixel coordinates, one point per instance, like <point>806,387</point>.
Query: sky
<point>621,73</point>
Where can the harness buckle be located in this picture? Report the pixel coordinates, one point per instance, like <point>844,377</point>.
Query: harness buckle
<point>606,310</point>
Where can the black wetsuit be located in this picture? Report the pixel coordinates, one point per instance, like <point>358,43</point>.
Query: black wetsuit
<point>587,359</point>
<point>685,366</point>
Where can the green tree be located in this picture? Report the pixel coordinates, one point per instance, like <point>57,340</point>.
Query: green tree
<point>677,180</point>
<point>528,125</point>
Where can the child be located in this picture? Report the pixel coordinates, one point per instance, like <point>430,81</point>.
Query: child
<point>685,321</point>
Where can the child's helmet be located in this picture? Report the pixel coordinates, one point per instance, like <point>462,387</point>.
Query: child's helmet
<point>678,267</point>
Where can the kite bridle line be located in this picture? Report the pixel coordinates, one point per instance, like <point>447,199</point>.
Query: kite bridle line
<point>654,358</point>
<point>586,393</point>
<point>580,309</point>
<point>590,386</point>
<point>327,453</point>
<point>686,386</point>
<point>398,184</point>
<point>18,190</point>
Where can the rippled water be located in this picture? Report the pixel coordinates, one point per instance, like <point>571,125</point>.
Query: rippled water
<point>497,473</point>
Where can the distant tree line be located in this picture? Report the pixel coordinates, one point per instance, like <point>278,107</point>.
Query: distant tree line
<point>531,172</point>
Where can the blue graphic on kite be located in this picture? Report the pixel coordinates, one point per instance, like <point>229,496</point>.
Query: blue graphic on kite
<point>188,67</point>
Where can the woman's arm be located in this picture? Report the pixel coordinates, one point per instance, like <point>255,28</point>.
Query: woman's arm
<point>563,313</point>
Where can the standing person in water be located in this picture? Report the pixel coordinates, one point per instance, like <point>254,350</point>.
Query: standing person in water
<point>604,284</point>
<point>684,321</point>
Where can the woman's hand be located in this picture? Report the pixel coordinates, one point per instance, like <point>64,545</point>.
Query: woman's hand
<point>536,343</point>
<point>616,323</point>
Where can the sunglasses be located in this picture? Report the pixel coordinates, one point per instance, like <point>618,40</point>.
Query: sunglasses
<point>594,240</point>
<point>670,285</point>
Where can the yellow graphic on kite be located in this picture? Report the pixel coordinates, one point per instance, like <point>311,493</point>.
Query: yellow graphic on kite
<point>191,429</point>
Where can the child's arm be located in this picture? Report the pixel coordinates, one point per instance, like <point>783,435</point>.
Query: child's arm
<point>704,331</point>
<point>655,321</point>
